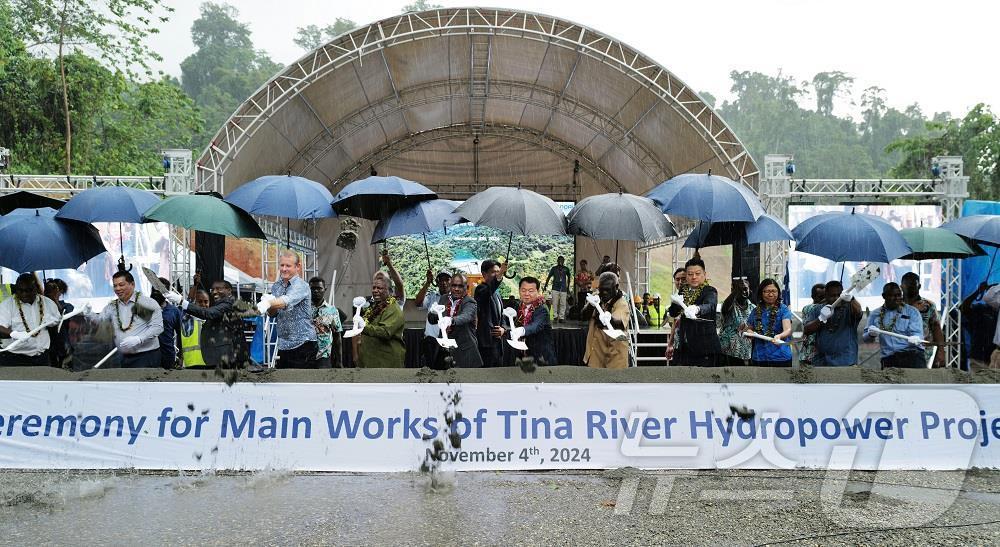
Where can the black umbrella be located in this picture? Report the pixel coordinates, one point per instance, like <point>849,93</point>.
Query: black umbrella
<point>377,197</point>
<point>27,200</point>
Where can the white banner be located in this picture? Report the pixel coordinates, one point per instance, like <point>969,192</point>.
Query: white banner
<point>400,427</point>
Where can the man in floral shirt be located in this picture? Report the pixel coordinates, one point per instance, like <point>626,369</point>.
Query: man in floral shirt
<point>910,284</point>
<point>808,348</point>
<point>736,308</point>
<point>328,325</point>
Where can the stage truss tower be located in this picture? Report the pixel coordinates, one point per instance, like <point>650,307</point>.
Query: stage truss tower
<point>778,190</point>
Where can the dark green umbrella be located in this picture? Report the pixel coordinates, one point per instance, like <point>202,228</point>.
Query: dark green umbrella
<point>206,213</point>
<point>937,243</point>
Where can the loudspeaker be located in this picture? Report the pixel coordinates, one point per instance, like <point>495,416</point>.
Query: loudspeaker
<point>746,263</point>
<point>210,254</point>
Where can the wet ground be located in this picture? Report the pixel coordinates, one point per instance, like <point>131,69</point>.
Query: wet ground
<point>566,508</point>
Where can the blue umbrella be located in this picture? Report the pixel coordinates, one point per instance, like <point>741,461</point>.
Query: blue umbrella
<point>284,196</point>
<point>36,242</point>
<point>41,211</point>
<point>850,237</point>
<point>419,218</point>
<point>982,229</point>
<point>377,197</point>
<point>109,204</point>
<point>766,228</point>
<point>707,197</point>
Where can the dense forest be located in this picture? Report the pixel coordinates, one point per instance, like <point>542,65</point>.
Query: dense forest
<point>78,97</point>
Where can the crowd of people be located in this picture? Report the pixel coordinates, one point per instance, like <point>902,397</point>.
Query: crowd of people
<point>472,329</point>
<point>758,331</point>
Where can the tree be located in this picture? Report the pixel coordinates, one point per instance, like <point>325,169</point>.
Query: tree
<point>976,138</point>
<point>120,124</point>
<point>828,85</point>
<point>225,69</point>
<point>420,5</point>
<point>709,99</point>
<point>114,29</point>
<point>881,125</point>
<point>311,37</point>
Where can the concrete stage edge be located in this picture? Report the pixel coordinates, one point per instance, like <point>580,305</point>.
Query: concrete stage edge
<point>558,374</point>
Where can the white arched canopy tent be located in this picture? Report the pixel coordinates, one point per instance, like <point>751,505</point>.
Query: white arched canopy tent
<point>461,99</point>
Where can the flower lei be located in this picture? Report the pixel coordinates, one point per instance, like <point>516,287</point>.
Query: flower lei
<point>526,310</point>
<point>691,295</point>
<point>119,317</point>
<point>452,307</point>
<point>24,321</point>
<point>773,314</point>
<point>891,327</point>
<point>376,310</point>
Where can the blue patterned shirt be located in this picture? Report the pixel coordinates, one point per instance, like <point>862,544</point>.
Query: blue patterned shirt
<point>294,322</point>
<point>905,320</point>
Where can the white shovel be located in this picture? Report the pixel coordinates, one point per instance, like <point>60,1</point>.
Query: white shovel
<point>360,303</point>
<point>612,332</point>
<point>516,343</point>
<point>444,323</point>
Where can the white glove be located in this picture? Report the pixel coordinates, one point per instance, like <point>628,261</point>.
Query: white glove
<point>825,313</point>
<point>265,303</point>
<point>870,332</point>
<point>359,323</point>
<point>915,340</point>
<point>174,298</point>
<point>130,343</point>
<point>517,333</point>
<point>691,312</point>
<point>444,322</point>
<point>19,335</point>
<point>605,318</point>
<point>847,297</point>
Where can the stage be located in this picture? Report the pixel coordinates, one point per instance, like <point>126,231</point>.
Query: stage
<point>570,340</point>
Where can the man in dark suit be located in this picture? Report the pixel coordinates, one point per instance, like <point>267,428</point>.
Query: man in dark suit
<point>222,343</point>
<point>699,341</point>
<point>490,331</point>
<point>459,319</point>
<point>534,324</point>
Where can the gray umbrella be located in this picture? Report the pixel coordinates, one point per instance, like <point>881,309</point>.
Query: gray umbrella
<point>619,216</point>
<point>514,210</point>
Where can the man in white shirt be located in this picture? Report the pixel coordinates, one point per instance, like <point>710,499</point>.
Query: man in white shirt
<point>137,322</point>
<point>425,299</point>
<point>19,316</point>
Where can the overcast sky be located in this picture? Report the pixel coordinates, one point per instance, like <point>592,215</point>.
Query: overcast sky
<point>941,55</point>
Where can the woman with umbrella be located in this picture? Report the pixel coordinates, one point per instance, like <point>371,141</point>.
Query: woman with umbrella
<point>772,319</point>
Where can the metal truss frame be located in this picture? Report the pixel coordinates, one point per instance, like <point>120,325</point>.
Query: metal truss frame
<point>359,44</point>
<point>178,179</point>
<point>426,94</point>
<point>279,237</point>
<point>778,190</point>
<point>556,191</point>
